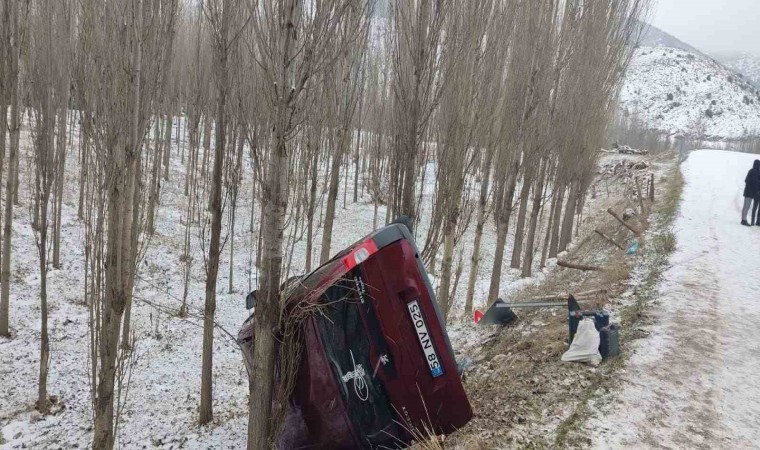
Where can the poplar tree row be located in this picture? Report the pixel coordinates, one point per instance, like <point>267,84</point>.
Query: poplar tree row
<point>499,107</point>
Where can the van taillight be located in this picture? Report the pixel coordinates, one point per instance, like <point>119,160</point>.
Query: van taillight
<point>360,254</point>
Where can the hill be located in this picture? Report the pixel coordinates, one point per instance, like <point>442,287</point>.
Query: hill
<point>680,92</point>
<point>744,63</point>
<point>655,37</point>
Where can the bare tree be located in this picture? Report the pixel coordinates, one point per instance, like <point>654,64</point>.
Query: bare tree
<point>289,45</point>
<point>49,41</point>
<point>418,78</point>
<point>343,85</point>
<point>123,85</point>
<point>162,144</point>
<point>220,14</point>
<point>519,105</point>
<point>14,16</point>
<point>459,124</point>
<point>63,89</point>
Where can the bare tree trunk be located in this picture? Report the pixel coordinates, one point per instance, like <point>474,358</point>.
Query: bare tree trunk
<point>153,190</point>
<point>47,171</point>
<point>206,146</point>
<point>448,255</point>
<point>17,180</point>
<point>206,406</point>
<point>556,220</point>
<point>167,151</point>
<point>42,397</point>
<point>356,156</point>
<point>84,144</point>
<point>3,105</point>
<point>502,226</point>
<point>253,207</point>
<point>262,378</point>
<point>547,236</point>
<point>15,129</point>
<point>479,224</point>
<point>191,172</point>
<point>538,192</point>
<point>346,166</point>
<point>522,213</point>
<point>233,204</point>
<point>179,142</point>
<point>311,208</point>
<point>566,233</point>
<point>332,198</point>
<point>45,176</point>
<point>61,174</point>
<point>120,263</point>
<point>187,258</point>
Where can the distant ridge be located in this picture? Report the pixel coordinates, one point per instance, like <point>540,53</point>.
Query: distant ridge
<point>744,63</point>
<point>655,37</point>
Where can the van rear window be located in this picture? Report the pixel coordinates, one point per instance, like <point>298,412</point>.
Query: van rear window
<point>346,340</point>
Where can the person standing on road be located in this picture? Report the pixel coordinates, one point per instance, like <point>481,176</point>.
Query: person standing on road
<point>751,191</point>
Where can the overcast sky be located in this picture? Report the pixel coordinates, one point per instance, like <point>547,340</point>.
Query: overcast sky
<point>713,26</point>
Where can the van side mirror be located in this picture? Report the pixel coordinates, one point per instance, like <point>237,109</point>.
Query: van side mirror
<point>250,300</point>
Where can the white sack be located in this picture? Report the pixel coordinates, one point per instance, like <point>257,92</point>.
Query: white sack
<point>585,346</point>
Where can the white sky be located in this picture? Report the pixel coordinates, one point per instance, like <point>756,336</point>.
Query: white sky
<point>712,26</point>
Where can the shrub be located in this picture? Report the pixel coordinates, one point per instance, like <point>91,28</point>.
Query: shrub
<point>666,242</point>
<point>670,96</point>
<point>709,113</point>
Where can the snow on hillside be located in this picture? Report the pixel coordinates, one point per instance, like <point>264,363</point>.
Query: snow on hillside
<point>746,64</point>
<point>678,92</point>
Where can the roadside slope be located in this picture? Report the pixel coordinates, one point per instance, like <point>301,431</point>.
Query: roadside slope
<point>691,381</point>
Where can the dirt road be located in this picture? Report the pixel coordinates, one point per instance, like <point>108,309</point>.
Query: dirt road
<point>694,381</point>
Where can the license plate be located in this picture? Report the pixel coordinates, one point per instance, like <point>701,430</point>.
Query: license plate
<point>426,341</point>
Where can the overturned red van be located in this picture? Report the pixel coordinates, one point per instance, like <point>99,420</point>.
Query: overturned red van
<point>378,367</point>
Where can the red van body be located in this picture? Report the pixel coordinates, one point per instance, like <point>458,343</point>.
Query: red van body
<point>378,366</point>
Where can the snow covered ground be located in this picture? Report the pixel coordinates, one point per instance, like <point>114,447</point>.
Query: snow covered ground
<point>161,408</point>
<point>692,382</point>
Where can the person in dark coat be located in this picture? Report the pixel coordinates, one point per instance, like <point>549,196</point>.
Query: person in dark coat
<point>751,191</point>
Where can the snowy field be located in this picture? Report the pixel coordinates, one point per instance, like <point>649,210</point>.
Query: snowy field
<point>160,409</point>
<point>692,382</point>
